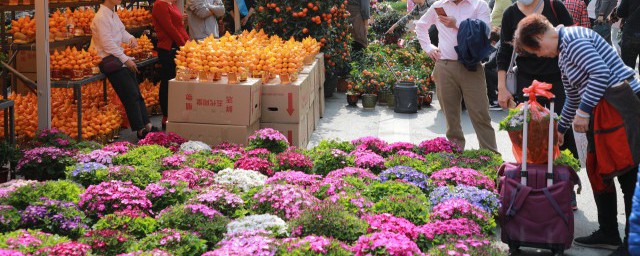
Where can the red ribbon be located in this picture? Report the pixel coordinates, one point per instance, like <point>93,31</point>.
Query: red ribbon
<point>538,88</point>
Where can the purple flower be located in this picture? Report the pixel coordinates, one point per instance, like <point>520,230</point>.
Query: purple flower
<point>99,156</point>
<point>389,223</point>
<point>455,227</point>
<point>39,155</point>
<point>407,174</point>
<point>368,160</point>
<point>286,201</point>
<point>118,147</point>
<point>111,196</point>
<point>484,199</point>
<point>221,199</point>
<point>301,179</point>
<point>202,209</point>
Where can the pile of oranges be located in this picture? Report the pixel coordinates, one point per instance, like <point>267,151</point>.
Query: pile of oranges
<point>82,18</point>
<point>136,17</point>
<point>251,52</point>
<point>59,23</point>
<point>23,30</point>
<point>142,52</point>
<point>73,64</point>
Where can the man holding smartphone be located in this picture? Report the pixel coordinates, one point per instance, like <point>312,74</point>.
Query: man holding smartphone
<point>453,81</point>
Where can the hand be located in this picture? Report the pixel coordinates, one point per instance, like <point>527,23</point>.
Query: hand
<point>449,22</point>
<point>601,18</point>
<point>580,124</point>
<point>132,66</point>
<point>434,54</point>
<point>560,138</point>
<point>245,20</point>
<point>504,97</point>
<point>366,23</point>
<point>133,43</point>
<point>391,29</point>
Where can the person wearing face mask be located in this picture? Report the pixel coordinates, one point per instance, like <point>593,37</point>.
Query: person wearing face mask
<point>531,67</point>
<point>603,100</point>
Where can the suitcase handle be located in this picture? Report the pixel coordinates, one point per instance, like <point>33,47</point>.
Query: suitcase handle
<point>525,140</point>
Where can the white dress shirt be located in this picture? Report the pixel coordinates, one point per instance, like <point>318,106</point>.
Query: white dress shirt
<point>108,34</point>
<point>448,37</point>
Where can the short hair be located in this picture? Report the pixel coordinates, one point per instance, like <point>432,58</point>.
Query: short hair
<point>528,29</point>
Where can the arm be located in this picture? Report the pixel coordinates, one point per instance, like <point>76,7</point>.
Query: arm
<point>218,10</point>
<point>569,108</point>
<point>100,29</point>
<point>422,29</point>
<point>365,6</point>
<point>585,58</point>
<point>505,49</point>
<point>200,8</point>
<point>564,17</point>
<point>160,11</point>
<point>411,15</point>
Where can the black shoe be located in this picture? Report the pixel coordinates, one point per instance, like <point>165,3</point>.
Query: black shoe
<point>622,250</point>
<point>600,239</point>
<point>495,107</point>
<point>574,202</point>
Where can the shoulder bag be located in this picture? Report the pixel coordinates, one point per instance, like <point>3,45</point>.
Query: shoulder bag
<point>110,65</point>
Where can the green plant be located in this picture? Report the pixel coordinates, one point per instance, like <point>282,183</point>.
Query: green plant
<point>109,242</point>
<point>207,160</point>
<point>327,145</point>
<point>86,146</point>
<point>138,226</point>
<point>163,194</point>
<point>313,246</point>
<point>9,154</point>
<point>400,160</point>
<point>141,176</point>
<point>87,174</point>
<point>566,158</point>
<point>414,208</point>
<point>9,218</point>
<point>383,22</point>
<point>326,161</point>
<point>29,241</point>
<point>208,223</point>
<point>330,220</point>
<point>61,190</point>
<point>149,157</point>
<point>485,161</point>
<point>56,217</point>
<point>377,191</point>
<point>176,242</point>
<point>400,6</point>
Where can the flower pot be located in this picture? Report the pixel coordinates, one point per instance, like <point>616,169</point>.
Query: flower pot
<point>342,85</point>
<point>4,174</point>
<point>428,99</point>
<point>382,97</point>
<point>330,84</point>
<point>391,100</point>
<point>369,101</point>
<point>352,99</point>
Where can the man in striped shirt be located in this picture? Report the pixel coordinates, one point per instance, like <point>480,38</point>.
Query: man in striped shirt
<point>594,77</point>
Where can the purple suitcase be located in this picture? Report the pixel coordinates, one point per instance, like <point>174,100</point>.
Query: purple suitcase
<point>536,202</point>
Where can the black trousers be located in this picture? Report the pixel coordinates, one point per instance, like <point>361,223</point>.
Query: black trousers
<point>125,84</point>
<point>491,77</point>
<point>167,72</point>
<point>525,80</point>
<point>629,52</point>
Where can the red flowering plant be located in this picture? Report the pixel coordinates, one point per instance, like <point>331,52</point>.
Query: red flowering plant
<point>107,241</point>
<point>367,159</point>
<point>396,147</point>
<point>462,176</point>
<point>374,144</point>
<point>112,196</point>
<point>169,140</point>
<point>269,139</point>
<point>291,160</point>
<point>461,208</point>
<point>260,153</point>
<point>386,243</point>
<point>389,223</point>
<point>439,232</point>
<point>261,165</point>
<point>120,147</point>
<point>196,178</point>
<point>65,249</point>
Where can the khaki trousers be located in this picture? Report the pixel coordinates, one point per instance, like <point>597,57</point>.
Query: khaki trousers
<point>454,83</point>
<point>358,26</point>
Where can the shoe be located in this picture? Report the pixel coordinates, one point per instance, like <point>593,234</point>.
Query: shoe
<point>495,107</point>
<point>574,202</point>
<point>600,239</point>
<point>622,250</point>
<point>164,123</point>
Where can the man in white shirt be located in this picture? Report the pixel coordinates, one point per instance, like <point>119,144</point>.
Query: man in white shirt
<point>202,16</point>
<point>453,81</point>
<point>108,34</point>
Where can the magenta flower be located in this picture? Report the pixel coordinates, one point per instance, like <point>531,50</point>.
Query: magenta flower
<point>386,243</point>
<point>368,160</point>
<point>261,165</point>
<point>196,178</point>
<point>112,196</point>
<point>286,201</point>
<point>437,145</point>
<point>462,176</point>
<point>291,160</point>
<point>119,147</point>
<point>269,139</point>
<point>455,227</point>
<point>301,179</point>
<point>370,143</point>
<point>396,147</point>
<point>65,249</point>
<point>220,199</point>
<point>168,140</point>
<point>258,243</point>
<point>389,223</point>
<point>174,161</point>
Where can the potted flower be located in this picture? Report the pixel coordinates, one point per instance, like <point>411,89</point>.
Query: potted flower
<point>370,89</point>
<point>353,94</point>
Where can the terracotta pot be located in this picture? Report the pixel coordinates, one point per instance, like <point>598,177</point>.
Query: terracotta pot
<point>352,99</point>
<point>369,101</point>
<point>342,85</point>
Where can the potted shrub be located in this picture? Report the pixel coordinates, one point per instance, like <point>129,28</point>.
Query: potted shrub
<point>353,95</point>
<point>8,158</point>
<point>369,89</point>
<point>382,25</point>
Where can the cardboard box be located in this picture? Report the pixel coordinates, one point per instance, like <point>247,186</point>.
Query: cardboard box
<point>213,134</point>
<point>21,87</point>
<point>311,122</point>
<point>295,133</point>
<point>286,103</point>
<point>215,102</point>
<point>26,61</point>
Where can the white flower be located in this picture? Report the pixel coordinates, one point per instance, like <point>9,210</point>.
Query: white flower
<point>242,179</point>
<point>258,222</point>
<point>194,146</point>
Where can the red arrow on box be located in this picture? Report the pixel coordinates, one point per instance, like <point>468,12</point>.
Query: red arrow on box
<point>290,136</point>
<point>290,107</point>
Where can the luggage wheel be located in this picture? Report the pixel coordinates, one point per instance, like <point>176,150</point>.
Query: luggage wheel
<point>514,249</point>
<point>557,252</point>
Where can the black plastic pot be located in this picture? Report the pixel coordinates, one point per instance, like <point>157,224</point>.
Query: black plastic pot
<point>330,83</point>
<point>406,95</point>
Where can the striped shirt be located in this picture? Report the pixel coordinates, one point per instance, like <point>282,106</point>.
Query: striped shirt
<point>589,66</point>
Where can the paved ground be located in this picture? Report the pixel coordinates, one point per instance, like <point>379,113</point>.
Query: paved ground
<point>347,123</point>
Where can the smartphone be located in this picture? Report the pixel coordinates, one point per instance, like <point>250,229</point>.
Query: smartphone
<point>440,11</point>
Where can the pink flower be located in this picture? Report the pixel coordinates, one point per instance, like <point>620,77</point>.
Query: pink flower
<point>301,179</point>
<point>462,176</point>
<point>389,223</point>
<point>256,164</point>
<point>169,140</point>
<point>197,178</point>
<point>437,145</point>
<point>286,201</point>
<point>112,196</point>
<point>390,243</point>
<point>65,249</point>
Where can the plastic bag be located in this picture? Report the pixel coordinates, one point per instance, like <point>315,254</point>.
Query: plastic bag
<point>538,138</point>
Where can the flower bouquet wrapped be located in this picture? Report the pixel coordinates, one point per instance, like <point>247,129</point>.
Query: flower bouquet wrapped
<point>538,119</point>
